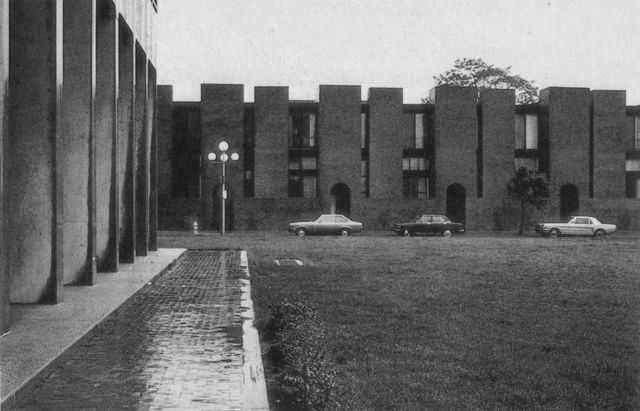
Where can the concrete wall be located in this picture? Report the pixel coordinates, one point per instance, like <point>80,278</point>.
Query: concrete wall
<point>456,138</point>
<point>271,151</point>
<point>385,150</point>
<point>165,142</point>
<point>4,90</point>
<point>222,119</point>
<point>141,18</point>
<point>106,122</point>
<point>34,152</point>
<point>125,155</point>
<point>152,135</point>
<point>141,153</point>
<point>339,141</point>
<point>609,136</point>
<point>78,136</point>
<point>568,137</point>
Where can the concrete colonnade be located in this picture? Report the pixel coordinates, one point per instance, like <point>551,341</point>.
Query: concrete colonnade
<point>78,147</point>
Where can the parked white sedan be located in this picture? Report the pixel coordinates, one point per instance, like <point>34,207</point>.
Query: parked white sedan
<point>579,225</point>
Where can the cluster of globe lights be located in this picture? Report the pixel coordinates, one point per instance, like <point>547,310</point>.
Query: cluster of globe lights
<point>224,157</point>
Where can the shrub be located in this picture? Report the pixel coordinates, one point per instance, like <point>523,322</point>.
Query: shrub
<point>304,375</point>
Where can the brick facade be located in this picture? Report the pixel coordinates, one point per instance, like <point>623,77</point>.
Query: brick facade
<point>584,138</point>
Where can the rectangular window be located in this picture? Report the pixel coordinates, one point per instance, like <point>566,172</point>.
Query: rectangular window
<point>419,130</point>
<point>363,130</point>
<point>633,165</point>
<point>532,132</point>
<point>415,186</point>
<point>364,178</point>
<point>530,163</point>
<point>636,144</point>
<point>309,187</point>
<point>414,164</point>
<point>302,129</point>
<point>526,131</point>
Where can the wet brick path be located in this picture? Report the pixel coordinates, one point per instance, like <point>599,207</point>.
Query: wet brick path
<point>177,345</point>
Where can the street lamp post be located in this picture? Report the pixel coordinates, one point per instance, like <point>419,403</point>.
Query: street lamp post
<point>224,157</point>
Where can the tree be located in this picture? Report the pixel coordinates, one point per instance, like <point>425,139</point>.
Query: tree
<point>478,73</point>
<point>530,188</point>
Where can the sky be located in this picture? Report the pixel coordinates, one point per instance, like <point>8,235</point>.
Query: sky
<point>394,43</point>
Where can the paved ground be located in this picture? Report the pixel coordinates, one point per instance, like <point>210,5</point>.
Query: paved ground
<point>176,345</point>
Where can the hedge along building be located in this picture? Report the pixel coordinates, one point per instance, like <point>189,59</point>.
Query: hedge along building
<point>381,161</point>
<point>78,93</point>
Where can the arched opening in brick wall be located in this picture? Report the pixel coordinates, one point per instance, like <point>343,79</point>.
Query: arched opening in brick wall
<point>217,208</point>
<point>569,200</point>
<point>457,203</point>
<point>341,199</point>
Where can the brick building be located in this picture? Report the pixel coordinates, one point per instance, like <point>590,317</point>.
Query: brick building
<point>77,148</point>
<point>382,161</point>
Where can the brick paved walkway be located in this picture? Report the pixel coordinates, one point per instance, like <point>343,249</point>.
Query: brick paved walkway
<point>176,345</point>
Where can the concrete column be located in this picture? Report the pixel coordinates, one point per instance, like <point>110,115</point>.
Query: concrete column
<point>4,90</point>
<point>34,207</point>
<point>77,125</point>
<point>165,143</point>
<point>456,134</point>
<point>106,114</point>
<point>125,156</point>
<point>153,161</point>
<point>609,141</point>
<point>222,118</point>
<point>385,151</point>
<point>498,145</point>
<point>339,140</point>
<point>141,151</point>
<point>271,158</point>
<point>567,137</point>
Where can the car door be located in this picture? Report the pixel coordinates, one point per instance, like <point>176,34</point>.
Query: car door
<point>341,221</point>
<point>586,226</point>
<point>422,225</point>
<point>437,225</point>
<point>569,228</point>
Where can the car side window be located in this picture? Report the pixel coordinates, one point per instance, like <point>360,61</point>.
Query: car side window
<point>341,219</point>
<point>425,219</point>
<point>437,219</point>
<point>324,219</point>
<point>582,221</point>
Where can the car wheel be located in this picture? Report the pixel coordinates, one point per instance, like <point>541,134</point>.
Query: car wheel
<point>554,233</point>
<point>345,232</point>
<point>600,234</point>
<point>447,233</point>
<point>406,233</point>
<point>301,232</point>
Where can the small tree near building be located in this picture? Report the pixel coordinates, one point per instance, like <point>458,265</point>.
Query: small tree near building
<point>530,188</point>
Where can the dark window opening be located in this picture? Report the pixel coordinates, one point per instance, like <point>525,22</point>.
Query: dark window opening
<point>186,152</point>
<point>341,199</point>
<point>457,203</point>
<point>249,152</point>
<point>302,129</point>
<point>364,152</point>
<point>569,200</point>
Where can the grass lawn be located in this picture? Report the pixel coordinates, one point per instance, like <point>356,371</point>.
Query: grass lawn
<point>463,323</point>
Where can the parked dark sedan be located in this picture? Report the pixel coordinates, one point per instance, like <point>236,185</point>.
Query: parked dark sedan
<point>429,224</point>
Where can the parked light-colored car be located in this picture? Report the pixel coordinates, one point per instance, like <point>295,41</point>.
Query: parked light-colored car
<point>579,225</point>
<point>327,224</point>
